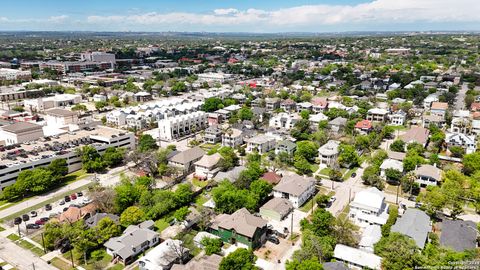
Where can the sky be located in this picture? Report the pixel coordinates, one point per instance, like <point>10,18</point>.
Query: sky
<point>256,16</point>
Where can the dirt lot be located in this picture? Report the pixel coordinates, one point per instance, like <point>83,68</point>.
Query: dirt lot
<point>271,252</point>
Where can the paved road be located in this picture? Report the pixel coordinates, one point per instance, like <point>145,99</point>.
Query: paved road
<point>21,258</point>
<point>460,100</point>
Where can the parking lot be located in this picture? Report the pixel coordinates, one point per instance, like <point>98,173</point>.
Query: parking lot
<point>57,208</point>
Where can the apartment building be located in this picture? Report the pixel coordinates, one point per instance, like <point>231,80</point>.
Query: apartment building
<point>180,126</point>
<point>272,104</point>
<point>98,57</point>
<point>8,74</point>
<point>79,66</point>
<point>40,152</point>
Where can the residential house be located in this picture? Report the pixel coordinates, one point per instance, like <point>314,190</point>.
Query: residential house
<point>400,156</point>
<point>439,108</point>
<point>315,119</point>
<point>271,177</point>
<point>207,167</point>
<point>295,188</point>
<point>468,143</point>
<point>436,120</point>
<point>142,96</point>
<point>285,146</point>
<point>364,127</point>
<point>74,213</point>
<point>213,134</point>
<point>272,104</point>
<point>260,143</point>
<point>415,224</point>
<point>95,219</point>
<point>116,118</point>
<point>475,107</point>
<point>369,208</point>
<point>416,134</point>
<point>288,105</point>
<point>211,262</point>
<point>461,122</point>
<point>179,126</point>
<point>427,102</point>
<point>231,175</point>
<point>397,118</point>
<point>338,124</point>
<point>334,266</point>
<point>258,113</point>
<point>370,236</point>
<point>459,235</point>
<point>134,240</point>
<point>185,160</point>
<point>328,153</point>
<point>214,119</point>
<point>390,164</point>
<point>356,258</point>
<point>319,104</point>
<point>377,115</point>
<point>276,209</point>
<point>284,121</point>
<point>240,227</point>
<point>304,106</point>
<point>163,256</point>
<point>428,175</point>
<point>232,138</point>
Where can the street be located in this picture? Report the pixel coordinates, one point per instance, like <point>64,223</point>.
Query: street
<point>21,258</point>
<point>460,99</point>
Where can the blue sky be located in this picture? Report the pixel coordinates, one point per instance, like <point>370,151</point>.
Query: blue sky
<point>240,15</point>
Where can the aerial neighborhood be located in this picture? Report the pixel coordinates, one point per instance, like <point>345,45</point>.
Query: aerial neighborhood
<point>163,152</point>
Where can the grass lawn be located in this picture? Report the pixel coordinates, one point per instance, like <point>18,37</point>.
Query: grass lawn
<point>37,238</point>
<point>307,206</point>
<point>13,237</point>
<point>344,213</point>
<point>2,229</point>
<point>80,174</point>
<point>161,224</point>
<point>60,264</point>
<point>325,171</point>
<point>314,167</point>
<point>201,199</point>
<point>117,267</point>
<point>199,183</point>
<point>27,245</point>
<point>349,173</point>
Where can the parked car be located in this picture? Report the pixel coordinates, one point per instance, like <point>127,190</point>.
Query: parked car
<point>45,219</point>
<point>62,202</point>
<point>80,194</point>
<point>65,248</point>
<point>25,217</point>
<point>33,213</point>
<point>39,222</point>
<point>332,199</point>
<point>33,226</point>
<point>65,209</point>
<point>354,175</point>
<point>273,240</point>
<point>73,196</point>
<point>67,198</point>
<point>418,205</point>
<point>48,207</point>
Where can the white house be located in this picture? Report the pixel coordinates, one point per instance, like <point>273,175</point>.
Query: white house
<point>207,166</point>
<point>468,143</point>
<point>356,258</point>
<point>163,256</point>
<point>116,118</point>
<point>370,236</point>
<point>377,115</point>
<point>260,143</point>
<point>233,138</point>
<point>390,164</point>
<point>369,208</point>
<point>328,153</point>
<point>397,118</point>
<point>428,175</point>
<point>284,120</point>
<point>295,188</point>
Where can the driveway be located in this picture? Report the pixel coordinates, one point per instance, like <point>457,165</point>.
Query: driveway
<point>21,258</point>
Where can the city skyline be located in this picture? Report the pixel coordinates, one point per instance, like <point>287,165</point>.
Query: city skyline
<point>241,16</point>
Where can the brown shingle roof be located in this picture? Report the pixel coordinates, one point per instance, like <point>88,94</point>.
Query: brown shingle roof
<point>439,106</point>
<point>21,127</point>
<point>416,134</point>
<point>243,222</point>
<point>188,155</point>
<point>272,177</point>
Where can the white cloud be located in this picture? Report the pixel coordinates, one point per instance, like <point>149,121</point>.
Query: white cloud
<point>375,14</point>
<point>225,11</point>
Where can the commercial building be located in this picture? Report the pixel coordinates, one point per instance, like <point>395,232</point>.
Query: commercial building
<point>20,132</point>
<point>79,66</point>
<point>40,151</point>
<point>98,57</point>
<point>58,101</point>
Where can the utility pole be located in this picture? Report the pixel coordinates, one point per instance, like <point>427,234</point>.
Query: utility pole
<point>291,226</point>
<point>33,266</point>
<point>71,257</point>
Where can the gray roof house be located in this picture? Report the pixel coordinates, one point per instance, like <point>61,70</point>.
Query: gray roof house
<point>93,220</point>
<point>459,235</point>
<point>285,146</point>
<point>295,188</point>
<point>337,124</point>
<point>335,266</point>
<point>187,158</point>
<point>276,209</point>
<point>231,175</point>
<point>134,240</point>
<point>415,224</point>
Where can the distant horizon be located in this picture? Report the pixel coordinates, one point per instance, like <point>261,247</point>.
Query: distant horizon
<point>229,16</point>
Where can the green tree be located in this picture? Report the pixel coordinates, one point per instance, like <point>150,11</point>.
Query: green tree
<point>302,165</point>
<point>321,222</point>
<point>229,158</point>
<point>79,107</point>
<point>398,251</point>
<point>181,213</point>
<point>471,163</point>
<point>309,264</point>
<point>147,143</point>
<point>245,113</point>
<point>212,104</point>
<point>113,156</point>
<point>307,150</point>
<point>239,259</point>
<point>457,151</point>
<point>335,175</point>
<point>131,216</point>
<point>393,175</point>
<point>392,218</point>
<point>398,146</point>
<point>348,156</point>
<point>212,245</point>
<point>58,167</point>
